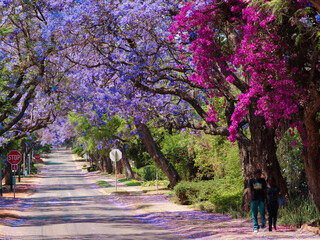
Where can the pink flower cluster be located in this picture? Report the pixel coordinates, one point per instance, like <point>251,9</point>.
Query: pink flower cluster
<point>258,59</point>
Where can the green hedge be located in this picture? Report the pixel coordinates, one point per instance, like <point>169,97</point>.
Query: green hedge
<point>220,195</point>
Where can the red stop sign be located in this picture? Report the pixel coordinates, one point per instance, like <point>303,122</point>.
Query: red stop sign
<point>14,157</point>
<point>37,157</point>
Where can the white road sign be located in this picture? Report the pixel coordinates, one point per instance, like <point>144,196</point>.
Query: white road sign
<point>115,155</point>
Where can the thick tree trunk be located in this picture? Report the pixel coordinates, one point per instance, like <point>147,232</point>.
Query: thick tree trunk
<point>103,163</point>
<point>311,152</point>
<point>259,152</point>
<point>125,161</point>
<point>246,169</point>
<point>156,154</point>
<point>109,165</point>
<point>8,175</point>
<point>106,164</point>
<point>263,152</point>
<point>119,167</point>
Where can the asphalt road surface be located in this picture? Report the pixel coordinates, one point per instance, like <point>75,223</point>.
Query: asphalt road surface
<point>67,206</point>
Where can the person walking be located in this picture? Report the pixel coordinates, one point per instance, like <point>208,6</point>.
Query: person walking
<point>272,202</point>
<point>258,196</point>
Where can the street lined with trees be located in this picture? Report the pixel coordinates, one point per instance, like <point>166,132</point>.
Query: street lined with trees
<point>138,75</point>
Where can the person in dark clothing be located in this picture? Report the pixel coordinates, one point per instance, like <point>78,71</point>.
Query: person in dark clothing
<point>258,196</point>
<point>272,202</point>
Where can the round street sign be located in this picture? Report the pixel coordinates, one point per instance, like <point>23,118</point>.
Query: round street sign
<point>115,155</point>
<point>37,157</point>
<point>14,157</point>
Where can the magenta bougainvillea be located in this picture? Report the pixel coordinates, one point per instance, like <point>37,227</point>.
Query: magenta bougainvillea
<point>235,44</point>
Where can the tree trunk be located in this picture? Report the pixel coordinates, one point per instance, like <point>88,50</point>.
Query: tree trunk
<point>103,163</point>
<point>109,165</point>
<point>311,152</point>
<point>156,154</point>
<point>95,158</point>
<point>259,153</point>
<point>119,167</point>
<point>8,175</point>
<point>246,169</point>
<point>106,164</point>
<point>263,150</point>
<point>126,164</point>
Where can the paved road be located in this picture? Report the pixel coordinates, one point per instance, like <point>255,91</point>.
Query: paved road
<point>67,206</point>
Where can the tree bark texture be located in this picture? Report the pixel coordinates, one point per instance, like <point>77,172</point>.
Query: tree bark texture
<point>119,167</point>
<point>109,165</point>
<point>311,152</point>
<point>156,154</point>
<point>259,153</point>
<point>8,175</point>
<point>95,158</point>
<point>125,161</point>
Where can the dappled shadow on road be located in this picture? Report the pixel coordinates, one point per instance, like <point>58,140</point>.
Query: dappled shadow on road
<point>143,236</point>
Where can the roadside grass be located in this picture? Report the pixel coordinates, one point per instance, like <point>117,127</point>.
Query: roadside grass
<point>299,210</point>
<point>107,175</point>
<point>104,184</point>
<point>129,182</point>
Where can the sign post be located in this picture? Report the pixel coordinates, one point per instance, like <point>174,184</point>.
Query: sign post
<point>14,158</point>
<point>86,156</point>
<point>115,155</point>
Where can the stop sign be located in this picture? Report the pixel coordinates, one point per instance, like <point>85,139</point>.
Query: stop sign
<point>37,157</point>
<point>14,157</point>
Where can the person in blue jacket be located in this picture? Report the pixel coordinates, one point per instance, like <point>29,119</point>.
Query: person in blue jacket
<point>258,187</point>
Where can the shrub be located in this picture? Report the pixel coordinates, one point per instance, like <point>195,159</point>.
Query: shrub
<point>92,168</point>
<point>34,169</point>
<point>154,183</point>
<point>219,195</point>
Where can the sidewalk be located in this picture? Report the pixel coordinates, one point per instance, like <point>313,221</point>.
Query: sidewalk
<point>157,209</point>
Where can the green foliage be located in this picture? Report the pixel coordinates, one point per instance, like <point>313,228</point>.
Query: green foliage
<point>217,157</point>
<point>34,169</point>
<point>299,211</point>
<point>154,183</point>
<point>92,168</point>
<point>43,149</point>
<point>178,150</point>
<point>137,152</point>
<point>4,31</point>
<point>129,182</point>
<point>201,157</point>
<point>219,195</point>
<point>148,173</point>
<point>78,150</point>
<point>189,192</point>
<point>103,184</point>
<point>288,153</point>
<point>89,135</point>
